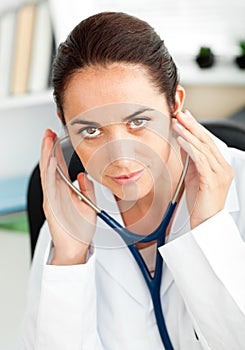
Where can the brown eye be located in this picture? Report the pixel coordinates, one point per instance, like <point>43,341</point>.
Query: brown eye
<point>90,132</point>
<point>137,123</point>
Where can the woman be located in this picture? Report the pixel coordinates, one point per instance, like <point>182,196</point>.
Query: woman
<point>116,89</point>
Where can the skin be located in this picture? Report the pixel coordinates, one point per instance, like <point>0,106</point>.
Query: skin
<point>207,181</point>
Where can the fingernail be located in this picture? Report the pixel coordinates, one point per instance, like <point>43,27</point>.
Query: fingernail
<point>47,133</point>
<point>80,177</point>
<point>184,115</point>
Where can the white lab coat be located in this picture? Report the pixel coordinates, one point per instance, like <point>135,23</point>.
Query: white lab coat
<point>105,304</point>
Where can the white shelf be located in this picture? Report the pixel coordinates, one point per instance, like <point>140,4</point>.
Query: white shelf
<point>26,100</point>
<point>223,73</point>
<point>23,122</point>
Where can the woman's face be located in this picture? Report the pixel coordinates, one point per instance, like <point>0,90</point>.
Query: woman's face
<point>119,125</point>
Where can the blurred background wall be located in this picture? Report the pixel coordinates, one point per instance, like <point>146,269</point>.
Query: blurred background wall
<point>185,25</point>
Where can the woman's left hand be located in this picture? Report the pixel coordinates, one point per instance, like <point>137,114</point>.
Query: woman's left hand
<point>209,175</point>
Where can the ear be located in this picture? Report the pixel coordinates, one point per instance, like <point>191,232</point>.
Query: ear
<point>179,99</point>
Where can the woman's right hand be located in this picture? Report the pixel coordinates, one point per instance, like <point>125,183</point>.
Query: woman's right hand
<point>71,221</point>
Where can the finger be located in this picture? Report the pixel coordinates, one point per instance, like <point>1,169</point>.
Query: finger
<point>192,169</point>
<point>190,123</point>
<point>55,184</point>
<point>200,149</point>
<point>49,185</point>
<point>47,144</point>
<point>48,137</point>
<point>204,165</point>
<point>183,155</point>
<point>59,155</point>
<point>201,140</point>
<point>86,186</point>
<point>51,175</point>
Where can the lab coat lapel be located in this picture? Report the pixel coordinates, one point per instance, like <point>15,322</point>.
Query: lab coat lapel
<point>121,266</point>
<point>179,227</point>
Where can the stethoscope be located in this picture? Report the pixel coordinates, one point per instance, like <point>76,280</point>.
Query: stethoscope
<point>153,283</point>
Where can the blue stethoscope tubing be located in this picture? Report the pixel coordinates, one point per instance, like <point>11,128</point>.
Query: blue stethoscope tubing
<point>159,235</point>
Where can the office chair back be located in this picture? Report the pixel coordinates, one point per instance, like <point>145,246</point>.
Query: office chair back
<point>229,131</point>
<point>35,211</point>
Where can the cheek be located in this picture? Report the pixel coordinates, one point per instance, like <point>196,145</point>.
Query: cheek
<point>165,152</point>
<point>93,160</point>
<point>158,149</point>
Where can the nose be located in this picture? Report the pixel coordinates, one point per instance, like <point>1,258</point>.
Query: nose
<point>121,146</point>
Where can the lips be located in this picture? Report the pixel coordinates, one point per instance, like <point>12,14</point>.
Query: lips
<point>126,179</point>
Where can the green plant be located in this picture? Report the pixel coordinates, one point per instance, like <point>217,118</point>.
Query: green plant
<point>242,46</point>
<point>205,57</point>
<point>204,51</point>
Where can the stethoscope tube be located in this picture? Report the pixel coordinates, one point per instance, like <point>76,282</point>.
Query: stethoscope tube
<point>153,283</point>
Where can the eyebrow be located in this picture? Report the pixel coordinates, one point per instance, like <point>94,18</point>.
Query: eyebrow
<point>95,124</point>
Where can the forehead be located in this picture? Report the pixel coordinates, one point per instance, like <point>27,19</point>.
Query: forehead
<point>98,86</point>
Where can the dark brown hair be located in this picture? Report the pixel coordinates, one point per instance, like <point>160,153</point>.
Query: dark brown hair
<point>111,37</point>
